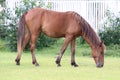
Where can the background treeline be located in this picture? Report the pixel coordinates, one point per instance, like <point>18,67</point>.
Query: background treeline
<point>109,33</point>
<point>9,24</point>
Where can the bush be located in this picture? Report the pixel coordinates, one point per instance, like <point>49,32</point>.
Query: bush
<point>110,33</point>
<point>113,50</point>
<point>10,29</point>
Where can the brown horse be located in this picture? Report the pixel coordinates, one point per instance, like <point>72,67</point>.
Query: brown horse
<point>69,25</point>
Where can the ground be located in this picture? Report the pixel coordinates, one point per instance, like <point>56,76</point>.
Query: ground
<point>48,70</point>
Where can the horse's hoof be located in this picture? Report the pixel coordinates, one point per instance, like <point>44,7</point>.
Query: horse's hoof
<point>18,64</point>
<point>74,64</point>
<point>17,61</point>
<point>59,65</point>
<point>36,64</point>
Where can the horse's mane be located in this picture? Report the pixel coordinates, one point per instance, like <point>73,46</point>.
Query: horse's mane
<point>87,30</point>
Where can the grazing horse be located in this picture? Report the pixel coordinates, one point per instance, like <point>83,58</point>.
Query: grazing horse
<point>69,25</point>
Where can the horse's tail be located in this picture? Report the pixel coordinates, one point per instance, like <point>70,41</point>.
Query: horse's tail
<point>21,30</point>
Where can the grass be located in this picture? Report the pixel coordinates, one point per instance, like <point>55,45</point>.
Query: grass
<point>49,71</point>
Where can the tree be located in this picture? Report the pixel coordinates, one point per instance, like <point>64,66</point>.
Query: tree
<point>111,30</point>
<point>11,27</point>
<point>2,21</point>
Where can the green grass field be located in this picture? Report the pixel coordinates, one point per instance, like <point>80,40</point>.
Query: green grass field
<point>48,70</point>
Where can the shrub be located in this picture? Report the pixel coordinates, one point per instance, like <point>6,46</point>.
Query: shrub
<point>113,50</point>
<point>110,33</point>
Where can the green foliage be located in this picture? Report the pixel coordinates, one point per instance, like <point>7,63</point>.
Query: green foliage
<point>2,2</point>
<point>9,29</point>
<point>113,50</point>
<point>110,33</point>
<point>3,46</point>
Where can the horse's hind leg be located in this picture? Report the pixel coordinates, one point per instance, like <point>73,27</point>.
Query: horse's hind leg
<point>25,41</point>
<point>32,47</point>
<point>73,63</point>
<point>19,49</point>
<point>21,46</point>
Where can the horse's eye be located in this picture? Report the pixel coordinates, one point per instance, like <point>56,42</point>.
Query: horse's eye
<point>101,52</point>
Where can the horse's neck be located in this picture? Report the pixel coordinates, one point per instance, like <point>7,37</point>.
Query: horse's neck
<point>93,43</point>
<point>88,33</point>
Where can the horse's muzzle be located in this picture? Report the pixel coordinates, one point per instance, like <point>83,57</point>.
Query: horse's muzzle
<point>99,65</point>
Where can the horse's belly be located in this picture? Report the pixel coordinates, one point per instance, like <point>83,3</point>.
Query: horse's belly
<point>52,33</point>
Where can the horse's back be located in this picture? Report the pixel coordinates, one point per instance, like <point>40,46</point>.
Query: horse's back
<point>52,23</point>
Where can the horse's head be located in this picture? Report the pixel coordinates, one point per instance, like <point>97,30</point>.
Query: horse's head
<point>98,55</point>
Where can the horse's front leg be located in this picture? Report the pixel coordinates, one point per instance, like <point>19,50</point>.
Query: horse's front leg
<point>32,47</point>
<point>73,63</point>
<point>65,44</point>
